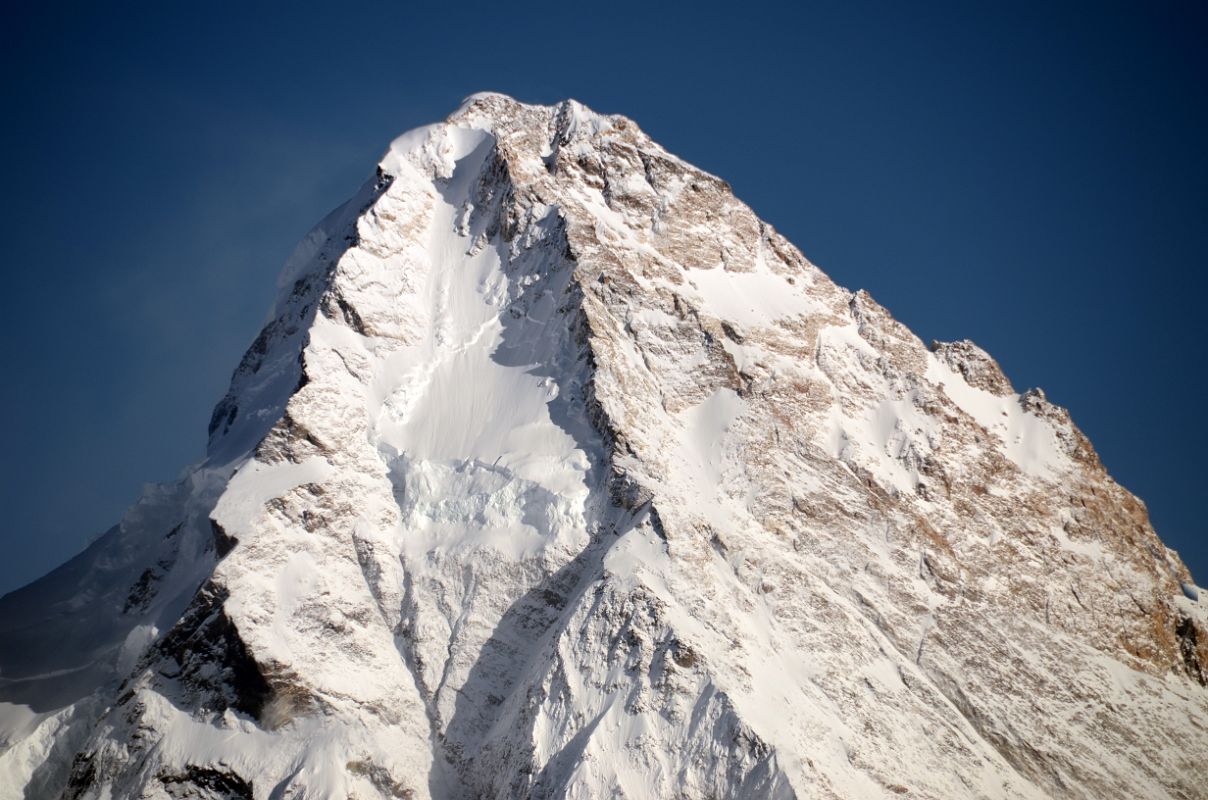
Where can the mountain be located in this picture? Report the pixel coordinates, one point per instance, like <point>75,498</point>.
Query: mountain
<point>558,473</point>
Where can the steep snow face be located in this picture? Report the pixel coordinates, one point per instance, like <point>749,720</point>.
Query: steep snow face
<point>558,473</point>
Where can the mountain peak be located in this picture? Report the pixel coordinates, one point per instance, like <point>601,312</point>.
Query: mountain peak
<point>557,472</point>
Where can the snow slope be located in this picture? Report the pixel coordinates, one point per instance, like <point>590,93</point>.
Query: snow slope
<point>558,473</point>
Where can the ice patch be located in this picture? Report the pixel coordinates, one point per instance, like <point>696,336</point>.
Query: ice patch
<point>753,299</point>
<point>1029,441</point>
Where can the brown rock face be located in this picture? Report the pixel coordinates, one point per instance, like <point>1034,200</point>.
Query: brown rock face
<point>974,365</point>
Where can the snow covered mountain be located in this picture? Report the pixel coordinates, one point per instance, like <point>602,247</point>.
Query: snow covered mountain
<point>558,473</point>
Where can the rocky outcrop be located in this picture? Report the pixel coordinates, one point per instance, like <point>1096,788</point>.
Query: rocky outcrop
<point>974,365</point>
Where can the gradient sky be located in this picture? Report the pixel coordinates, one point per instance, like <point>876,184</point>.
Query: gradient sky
<point>1032,178</point>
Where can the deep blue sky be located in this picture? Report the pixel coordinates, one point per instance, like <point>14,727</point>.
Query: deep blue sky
<point>1030,177</point>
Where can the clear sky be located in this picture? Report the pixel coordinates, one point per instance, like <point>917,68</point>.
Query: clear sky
<point>1030,176</point>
